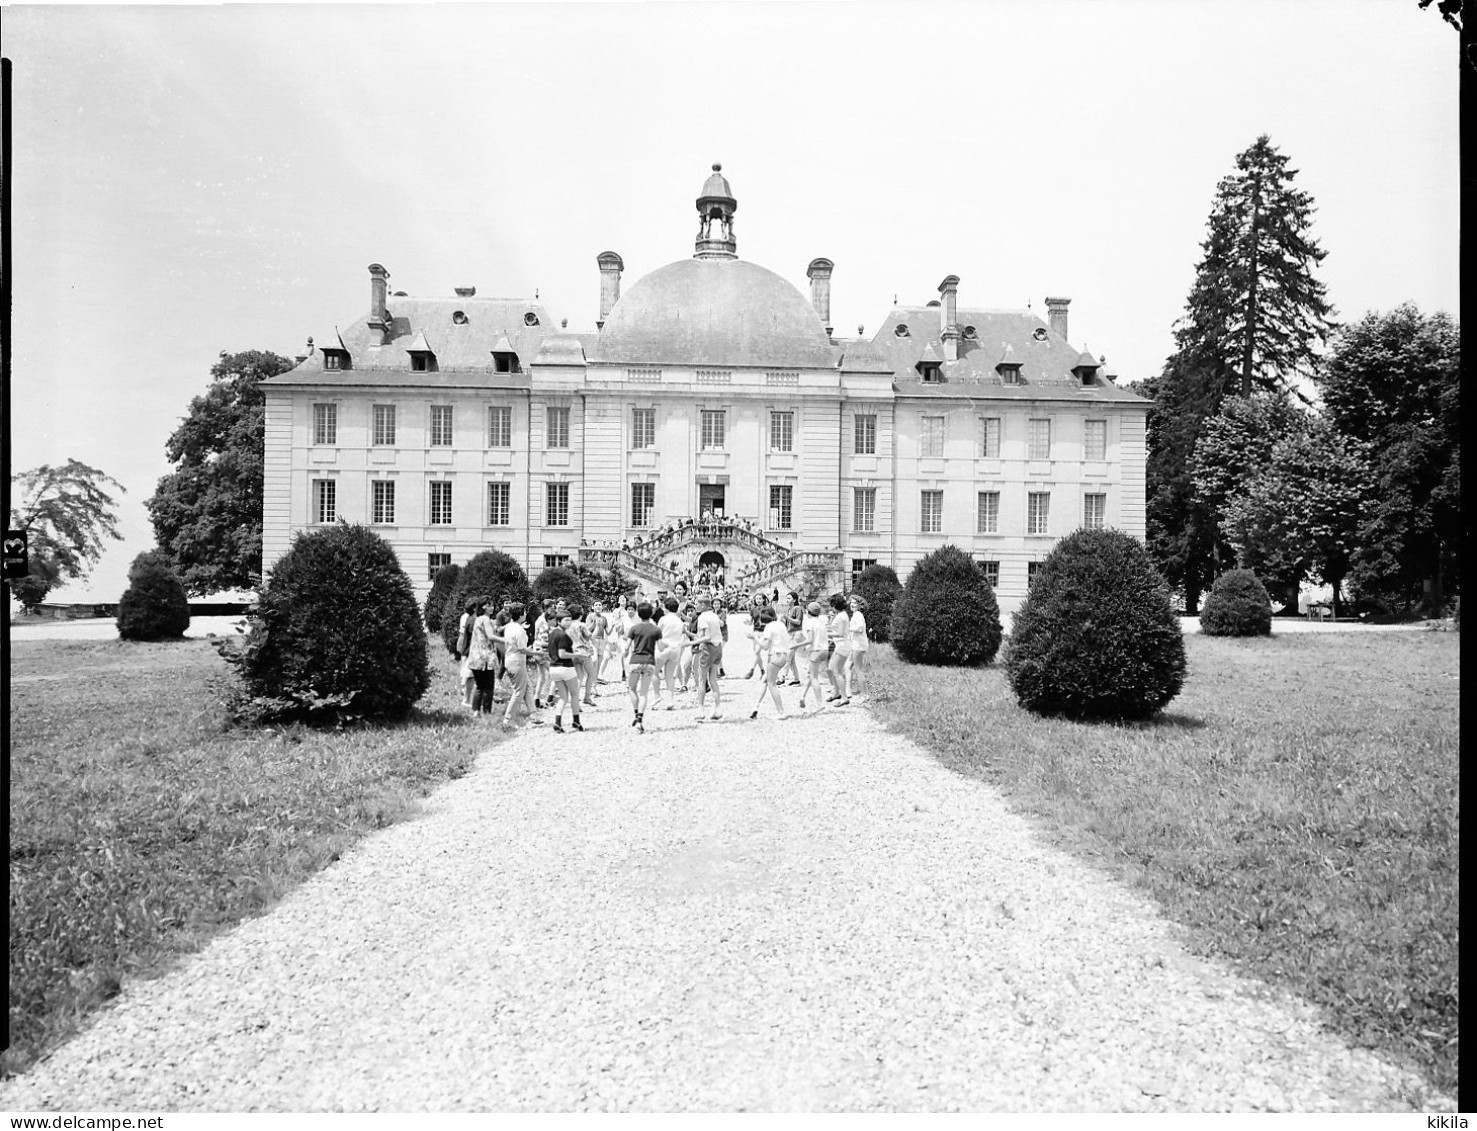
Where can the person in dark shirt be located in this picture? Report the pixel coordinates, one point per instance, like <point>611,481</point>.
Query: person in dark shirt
<point>641,642</point>
<point>564,672</point>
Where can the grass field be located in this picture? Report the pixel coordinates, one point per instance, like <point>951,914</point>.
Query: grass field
<point>140,827</point>
<point>1296,808</point>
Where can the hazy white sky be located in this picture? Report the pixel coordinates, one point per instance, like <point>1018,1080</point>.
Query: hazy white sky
<point>189,180</point>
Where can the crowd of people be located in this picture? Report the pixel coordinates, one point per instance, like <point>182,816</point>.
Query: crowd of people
<point>710,525</point>
<point>546,656</point>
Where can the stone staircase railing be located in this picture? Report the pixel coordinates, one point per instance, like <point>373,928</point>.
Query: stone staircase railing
<point>722,531</point>
<point>791,564</point>
<point>632,562</point>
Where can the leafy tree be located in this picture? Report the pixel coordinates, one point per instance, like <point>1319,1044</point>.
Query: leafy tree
<point>67,513</point>
<point>207,513</point>
<point>1299,514</point>
<point>1255,305</point>
<point>1392,382</point>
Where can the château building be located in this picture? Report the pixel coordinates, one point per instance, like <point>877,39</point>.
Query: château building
<point>714,388</point>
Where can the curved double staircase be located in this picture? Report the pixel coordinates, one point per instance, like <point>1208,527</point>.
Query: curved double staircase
<point>777,562</point>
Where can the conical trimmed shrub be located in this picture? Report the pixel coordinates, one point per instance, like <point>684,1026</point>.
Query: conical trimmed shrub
<point>1096,637</point>
<point>947,612</point>
<point>879,586</point>
<point>491,574</point>
<point>337,634</point>
<point>442,586</point>
<point>560,582</point>
<point>154,606</point>
<point>1237,605</point>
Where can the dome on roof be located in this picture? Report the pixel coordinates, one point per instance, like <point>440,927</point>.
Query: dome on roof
<point>716,186</point>
<point>719,312</point>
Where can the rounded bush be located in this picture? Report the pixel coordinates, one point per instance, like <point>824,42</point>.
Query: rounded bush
<point>491,574</point>
<point>947,612</point>
<point>1237,605</point>
<point>442,586</point>
<point>1096,637</point>
<point>154,606</point>
<point>560,582</point>
<point>879,586</point>
<point>606,585</point>
<point>336,634</point>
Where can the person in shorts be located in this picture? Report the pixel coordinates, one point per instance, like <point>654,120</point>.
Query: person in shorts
<point>817,650</point>
<point>838,641</point>
<point>515,656</point>
<point>562,670</point>
<point>859,644</point>
<point>640,661</point>
<point>669,651</point>
<point>707,648</point>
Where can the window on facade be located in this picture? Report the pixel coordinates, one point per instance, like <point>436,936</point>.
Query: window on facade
<point>435,562</point>
<point>332,359</point>
<point>989,437</point>
<point>866,434</point>
<point>1038,512</point>
<point>384,425</point>
<point>440,426</point>
<point>325,500</point>
<point>988,519</point>
<point>864,509</point>
<point>325,424</point>
<point>933,436</point>
<point>554,561</point>
<point>1094,511</point>
<point>557,417</point>
<point>440,504</point>
<point>932,512</point>
<point>858,565</point>
<point>643,503</point>
<point>419,362</point>
<point>1032,569</point>
<point>556,512</point>
<point>643,427</point>
<point>1038,443</point>
<point>712,433</point>
<point>930,372</point>
<point>384,501</point>
<point>992,572</point>
<point>782,431</point>
<point>499,426</point>
<point>1009,374</point>
<point>781,498</point>
<point>1095,440</point>
<point>499,504</point>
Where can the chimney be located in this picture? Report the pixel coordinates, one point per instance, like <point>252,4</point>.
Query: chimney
<point>949,290</point>
<point>379,311</point>
<point>1056,315</point>
<point>819,274</point>
<point>610,284</point>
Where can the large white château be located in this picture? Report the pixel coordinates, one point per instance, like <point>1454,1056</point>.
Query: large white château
<point>712,385</point>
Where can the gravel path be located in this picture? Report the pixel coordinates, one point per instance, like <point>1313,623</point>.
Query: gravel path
<point>810,915</point>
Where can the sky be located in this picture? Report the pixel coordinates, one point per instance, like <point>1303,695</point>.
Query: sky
<point>189,180</point>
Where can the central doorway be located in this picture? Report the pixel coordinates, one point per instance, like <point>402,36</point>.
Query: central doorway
<point>711,559</point>
<point>710,498</point>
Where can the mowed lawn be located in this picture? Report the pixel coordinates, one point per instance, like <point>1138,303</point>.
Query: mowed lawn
<point>141,826</point>
<point>1297,808</point>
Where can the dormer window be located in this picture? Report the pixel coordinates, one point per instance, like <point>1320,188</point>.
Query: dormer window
<point>931,372</point>
<point>505,361</point>
<point>1010,372</point>
<point>335,359</point>
<point>1088,380</point>
<point>422,361</point>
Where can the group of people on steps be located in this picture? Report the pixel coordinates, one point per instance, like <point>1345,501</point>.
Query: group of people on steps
<point>551,654</point>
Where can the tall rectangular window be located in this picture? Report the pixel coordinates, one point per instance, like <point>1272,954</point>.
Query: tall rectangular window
<point>440,504</point>
<point>643,428</point>
<point>988,519</point>
<point>325,424</point>
<point>992,572</point>
<point>554,561</point>
<point>864,509</point>
<point>435,562</point>
<point>866,434</point>
<point>643,502</point>
<point>1094,511</point>
<point>782,431</point>
<point>384,425</point>
<point>325,500</point>
<point>500,426</point>
<point>384,501</point>
<point>440,426</point>
<point>932,512</point>
<point>712,434</point>
<point>857,566</point>
<point>989,437</point>
<point>556,512</point>
<point>1095,440</point>
<point>557,417</point>
<point>1032,569</point>
<point>1038,512</point>
<point>933,436</point>
<point>499,504</point>
<point>1038,443</point>
<point>780,499</point>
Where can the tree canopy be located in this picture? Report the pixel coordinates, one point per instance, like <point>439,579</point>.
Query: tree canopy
<point>67,513</point>
<point>207,513</point>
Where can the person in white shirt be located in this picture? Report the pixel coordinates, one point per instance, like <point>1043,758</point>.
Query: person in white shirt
<point>669,651</point>
<point>707,647</point>
<point>818,648</point>
<point>774,646</point>
<point>859,644</point>
<point>838,643</point>
<point>515,654</point>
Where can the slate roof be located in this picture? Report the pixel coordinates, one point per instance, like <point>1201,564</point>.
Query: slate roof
<point>463,349</point>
